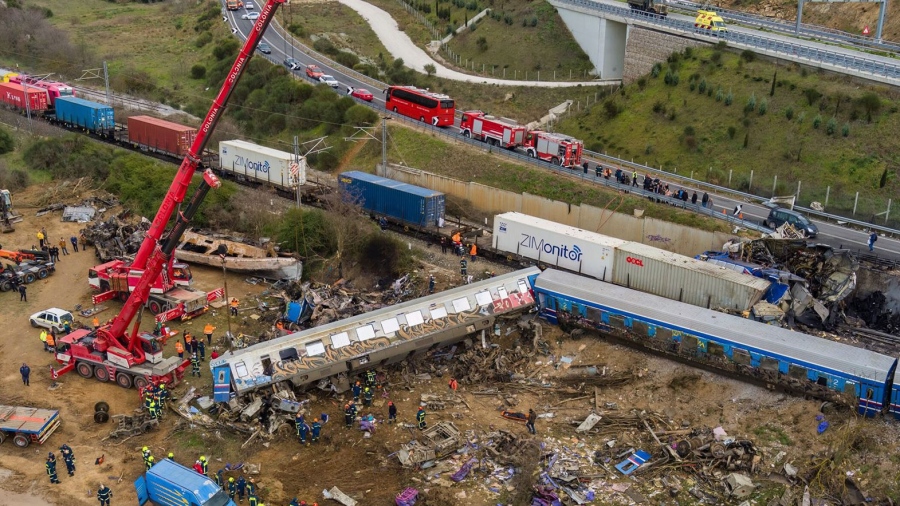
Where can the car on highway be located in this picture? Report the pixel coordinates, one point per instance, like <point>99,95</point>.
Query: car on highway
<point>252,16</point>
<point>329,80</point>
<point>291,63</point>
<point>249,6</point>
<point>264,48</point>
<point>779,216</point>
<point>360,93</point>
<point>314,71</point>
<point>52,319</point>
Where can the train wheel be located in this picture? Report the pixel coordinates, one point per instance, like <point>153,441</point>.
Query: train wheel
<point>101,417</point>
<point>30,277</point>
<point>140,382</point>
<point>101,406</point>
<point>21,440</point>
<point>101,374</point>
<point>123,380</point>
<point>84,370</point>
<point>43,273</point>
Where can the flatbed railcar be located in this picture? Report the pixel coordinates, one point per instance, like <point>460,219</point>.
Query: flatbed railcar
<point>776,356</point>
<point>384,336</point>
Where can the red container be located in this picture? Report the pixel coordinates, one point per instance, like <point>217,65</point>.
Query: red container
<point>13,95</point>
<point>160,135</point>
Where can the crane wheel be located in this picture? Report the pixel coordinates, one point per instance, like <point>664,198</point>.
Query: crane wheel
<point>30,277</point>
<point>5,286</point>
<point>140,382</point>
<point>154,307</point>
<point>101,373</point>
<point>85,371</point>
<point>101,406</point>
<point>43,273</point>
<point>101,417</point>
<point>123,380</point>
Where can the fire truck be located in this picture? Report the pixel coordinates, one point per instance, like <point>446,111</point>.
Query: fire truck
<point>113,352</point>
<point>495,131</point>
<point>557,149</point>
<point>233,5</point>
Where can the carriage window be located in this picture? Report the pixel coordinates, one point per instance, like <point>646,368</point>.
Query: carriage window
<point>390,325</point>
<point>240,369</point>
<point>462,304</point>
<point>798,372</point>
<point>523,287</point>
<point>823,380</point>
<point>715,349</point>
<point>768,364</point>
<point>484,298</point>
<point>365,332</point>
<point>340,340</point>
<point>315,348</point>
<point>501,291</point>
<point>438,312</point>
<point>414,318</point>
<point>870,393</point>
<point>740,356</point>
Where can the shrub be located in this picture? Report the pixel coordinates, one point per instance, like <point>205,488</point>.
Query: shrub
<point>347,59</point>
<point>198,71</point>
<point>831,126</point>
<point>688,52</point>
<point>702,87</point>
<point>534,21</point>
<point>817,121</point>
<point>732,131</point>
<point>845,130</point>
<point>751,103</point>
<point>690,131</point>
<point>748,55</point>
<point>297,29</point>
<point>482,44</point>
<point>801,117</point>
<point>657,68</point>
<point>203,39</point>
<point>729,98</point>
<point>692,86</point>
<point>716,58</point>
<point>789,113</point>
<point>325,46</point>
<point>871,103</point>
<point>671,78</point>
<point>612,107</point>
<point>658,107</point>
<point>720,95</point>
<point>7,144</point>
<point>812,95</point>
<point>642,82</point>
<point>763,107</point>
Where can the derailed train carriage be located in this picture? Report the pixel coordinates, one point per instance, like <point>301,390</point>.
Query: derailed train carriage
<point>772,355</point>
<point>386,336</point>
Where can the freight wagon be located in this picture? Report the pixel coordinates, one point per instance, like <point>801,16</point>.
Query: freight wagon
<point>405,203</point>
<point>629,264</point>
<point>13,95</point>
<point>554,244</point>
<point>54,89</point>
<point>80,113</point>
<point>247,161</point>
<point>160,136</point>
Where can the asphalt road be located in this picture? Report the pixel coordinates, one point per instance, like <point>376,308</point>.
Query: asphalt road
<point>829,233</point>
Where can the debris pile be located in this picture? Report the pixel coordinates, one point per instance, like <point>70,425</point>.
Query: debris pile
<point>83,211</point>
<point>114,237</point>
<point>873,311</point>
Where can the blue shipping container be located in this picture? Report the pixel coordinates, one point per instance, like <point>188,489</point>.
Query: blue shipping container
<point>403,202</point>
<point>85,114</point>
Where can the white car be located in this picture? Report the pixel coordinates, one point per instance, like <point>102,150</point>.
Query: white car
<point>252,16</point>
<point>329,80</point>
<point>249,6</point>
<point>53,319</point>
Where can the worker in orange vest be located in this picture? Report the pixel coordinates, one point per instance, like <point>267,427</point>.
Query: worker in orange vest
<point>96,323</point>
<point>179,348</point>
<point>474,251</point>
<point>51,342</point>
<point>208,330</point>
<point>234,306</point>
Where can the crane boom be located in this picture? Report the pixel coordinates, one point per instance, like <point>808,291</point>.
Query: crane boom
<point>152,257</point>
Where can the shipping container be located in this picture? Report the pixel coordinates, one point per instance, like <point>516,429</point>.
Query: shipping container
<point>550,243</point>
<point>406,203</point>
<point>13,95</point>
<point>677,277</point>
<point>92,116</point>
<point>259,163</point>
<point>160,136</point>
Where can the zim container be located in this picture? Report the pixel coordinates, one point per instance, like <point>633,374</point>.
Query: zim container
<point>406,203</point>
<point>85,114</point>
<point>161,136</point>
<point>13,95</point>
<point>259,163</point>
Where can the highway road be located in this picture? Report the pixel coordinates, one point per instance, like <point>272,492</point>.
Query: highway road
<point>829,233</point>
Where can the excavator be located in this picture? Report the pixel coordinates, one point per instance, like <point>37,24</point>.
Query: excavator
<point>112,352</point>
<point>28,266</point>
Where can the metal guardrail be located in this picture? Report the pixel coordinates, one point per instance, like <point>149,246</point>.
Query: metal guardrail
<point>861,64</point>
<point>806,30</point>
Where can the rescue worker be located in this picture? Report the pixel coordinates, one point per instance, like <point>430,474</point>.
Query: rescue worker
<point>370,378</point>
<point>316,429</point>
<point>145,452</point>
<point>420,417</point>
<point>232,488</point>
<point>150,461</point>
<point>353,409</point>
<point>367,397</point>
<point>348,416</point>
<point>51,342</point>
<point>357,389</point>
<point>473,253</point>
<point>96,322</point>
<point>163,395</point>
<point>179,349</point>
<point>431,283</point>
<point>51,468</point>
<point>241,488</point>
<point>234,306</point>
<point>294,502</point>
<point>194,345</point>
<point>219,478</point>
<point>187,340</point>
<point>202,349</point>
<point>104,494</point>
<point>25,371</point>
<point>171,456</point>
<point>529,422</point>
<point>69,458</point>
<point>251,487</point>
<point>195,366</point>
<point>67,327</point>
<point>392,412</point>
<point>463,269</point>
<point>204,466</point>
<point>44,340</point>
<point>298,421</point>
<point>208,331</point>
<point>254,501</point>
<point>303,431</point>
<point>153,409</point>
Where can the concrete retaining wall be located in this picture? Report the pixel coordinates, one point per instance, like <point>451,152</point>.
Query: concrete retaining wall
<point>646,47</point>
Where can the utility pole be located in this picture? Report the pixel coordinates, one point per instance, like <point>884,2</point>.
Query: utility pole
<point>384,120</point>
<point>106,82</point>
<point>228,335</point>
<point>27,106</point>
<point>297,161</point>
<point>95,74</point>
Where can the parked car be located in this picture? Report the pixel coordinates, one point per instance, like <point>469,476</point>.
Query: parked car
<point>252,16</point>
<point>314,71</point>
<point>249,6</point>
<point>329,80</point>
<point>264,48</point>
<point>53,319</point>
<point>360,93</point>
<point>291,63</point>
<point>779,216</point>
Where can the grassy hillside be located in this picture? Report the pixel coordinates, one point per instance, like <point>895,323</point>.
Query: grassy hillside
<point>816,129</point>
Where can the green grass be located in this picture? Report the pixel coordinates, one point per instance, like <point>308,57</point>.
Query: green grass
<point>429,153</point>
<point>769,433</point>
<point>674,127</point>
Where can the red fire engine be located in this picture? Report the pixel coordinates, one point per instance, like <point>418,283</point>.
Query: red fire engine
<point>135,358</point>
<point>554,148</point>
<point>495,131</point>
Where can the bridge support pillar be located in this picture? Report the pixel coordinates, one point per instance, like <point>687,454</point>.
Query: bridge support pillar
<point>603,39</point>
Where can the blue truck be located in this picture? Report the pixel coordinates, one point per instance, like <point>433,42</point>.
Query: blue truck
<point>168,483</point>
<point>405,203</point>
<point>80,113</point>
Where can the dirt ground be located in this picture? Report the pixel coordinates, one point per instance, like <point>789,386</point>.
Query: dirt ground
<point>366,468</point>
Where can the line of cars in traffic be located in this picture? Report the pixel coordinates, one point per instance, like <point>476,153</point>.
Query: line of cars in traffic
<point>314,73</point>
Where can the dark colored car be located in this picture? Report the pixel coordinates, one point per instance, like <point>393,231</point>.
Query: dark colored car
<point>264,48</point>
<point>291,63</point>
<point>779,216</point>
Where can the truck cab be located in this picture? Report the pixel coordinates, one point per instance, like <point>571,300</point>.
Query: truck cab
<point>169,483</point>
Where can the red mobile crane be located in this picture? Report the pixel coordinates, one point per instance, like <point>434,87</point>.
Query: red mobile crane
<point>110,352</point>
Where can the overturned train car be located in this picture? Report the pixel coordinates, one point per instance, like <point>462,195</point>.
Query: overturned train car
<point>386,336</point>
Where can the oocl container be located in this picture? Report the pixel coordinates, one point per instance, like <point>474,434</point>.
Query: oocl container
<point>677,277</point>
<point>262,164</point>
<point>551,243</point>
<point>13,95</point>
<point>159,135</point>
<point>85,114</point>
<point>403,202</point>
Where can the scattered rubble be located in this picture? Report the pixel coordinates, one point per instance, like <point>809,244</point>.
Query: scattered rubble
<point>114,237</point>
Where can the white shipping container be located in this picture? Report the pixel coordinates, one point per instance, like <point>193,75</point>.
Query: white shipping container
<point>562,246</point>
<point>259,163</point>
<point>685,279</point>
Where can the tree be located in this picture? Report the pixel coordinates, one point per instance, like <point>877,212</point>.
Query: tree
<point>198,71</point>
<point>430,69</point>
<point>6,142</point>
<point>871,103</point>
